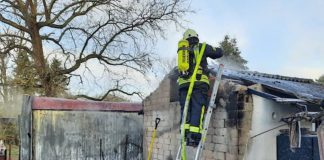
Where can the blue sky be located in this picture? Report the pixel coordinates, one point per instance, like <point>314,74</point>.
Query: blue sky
<point>277,36</point>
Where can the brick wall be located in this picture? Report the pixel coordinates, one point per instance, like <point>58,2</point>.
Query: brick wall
<point>228,131</point>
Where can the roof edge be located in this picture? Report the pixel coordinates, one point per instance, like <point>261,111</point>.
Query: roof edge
<point>48,103</point>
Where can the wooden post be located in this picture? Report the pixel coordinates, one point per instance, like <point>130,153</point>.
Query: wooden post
<point>9,151</point>
<point>25,129</point>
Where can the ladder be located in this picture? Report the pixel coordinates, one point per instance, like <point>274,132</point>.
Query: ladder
<point>207,118</point>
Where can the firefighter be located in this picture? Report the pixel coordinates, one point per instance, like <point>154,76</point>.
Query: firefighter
<point>198,100</point>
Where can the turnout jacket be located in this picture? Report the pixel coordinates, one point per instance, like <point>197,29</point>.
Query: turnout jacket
<point>202,74</point>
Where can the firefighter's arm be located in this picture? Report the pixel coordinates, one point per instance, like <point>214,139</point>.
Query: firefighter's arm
<point>213,52</point>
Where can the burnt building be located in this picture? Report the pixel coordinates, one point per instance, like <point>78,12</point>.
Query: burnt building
<point>258,116</point>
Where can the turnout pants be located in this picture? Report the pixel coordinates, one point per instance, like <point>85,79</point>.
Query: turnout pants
<point>196,108</point>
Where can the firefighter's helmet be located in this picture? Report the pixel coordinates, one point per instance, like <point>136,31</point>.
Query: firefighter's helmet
<point>190,33</point>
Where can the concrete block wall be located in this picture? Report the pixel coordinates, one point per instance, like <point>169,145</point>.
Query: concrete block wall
<point>157,105</point>
<point>228,131</point>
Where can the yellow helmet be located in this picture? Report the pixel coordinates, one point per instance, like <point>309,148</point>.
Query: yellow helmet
<point>190,33</point>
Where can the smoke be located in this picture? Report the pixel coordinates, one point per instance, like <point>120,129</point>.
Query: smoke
<point>9,112</point>
<point>227,62</point>
<point>12,107</point>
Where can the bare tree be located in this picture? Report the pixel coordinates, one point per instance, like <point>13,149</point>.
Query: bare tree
<point>112,32</point>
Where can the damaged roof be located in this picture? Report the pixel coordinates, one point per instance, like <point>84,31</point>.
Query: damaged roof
<point>301,88</point>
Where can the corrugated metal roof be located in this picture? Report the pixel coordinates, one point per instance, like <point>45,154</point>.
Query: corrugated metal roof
<point>46,103</point>
<point>302,88</point>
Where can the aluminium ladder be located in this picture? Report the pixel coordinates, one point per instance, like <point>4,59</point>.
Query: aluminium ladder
<point>207,117</point>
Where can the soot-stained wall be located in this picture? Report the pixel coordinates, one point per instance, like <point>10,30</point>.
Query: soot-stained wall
<point>228,130</point>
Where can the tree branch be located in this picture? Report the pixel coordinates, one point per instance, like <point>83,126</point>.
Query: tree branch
<point>50,23</point>
<point>108,92</point>
<point>92,34</point>
<point>78,63</point>
<point>54,41</point>
<point>15,36</point>
<point>13,24</point>
<point>11,47</point>
<point>47,13</point>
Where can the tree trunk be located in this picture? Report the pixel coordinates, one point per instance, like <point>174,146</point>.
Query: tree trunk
<point>40,63</point>
<point>38,53</point>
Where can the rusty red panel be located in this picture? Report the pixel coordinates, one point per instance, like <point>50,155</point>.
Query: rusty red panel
<point>46,103</point>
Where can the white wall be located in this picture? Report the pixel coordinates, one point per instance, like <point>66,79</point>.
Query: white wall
<point>263,147</point>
